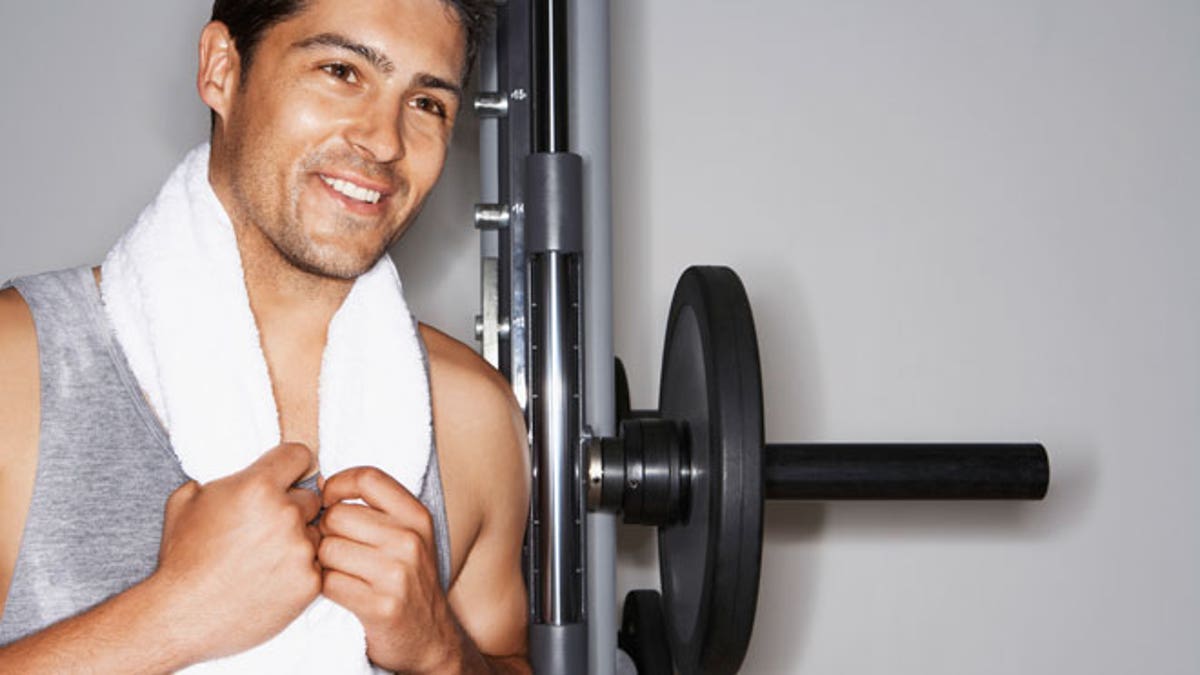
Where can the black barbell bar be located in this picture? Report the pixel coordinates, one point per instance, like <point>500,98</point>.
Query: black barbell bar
<point>836,471</point>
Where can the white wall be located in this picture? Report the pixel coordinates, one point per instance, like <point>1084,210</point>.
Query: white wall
<point>967,221</point>
<point>973,221</point>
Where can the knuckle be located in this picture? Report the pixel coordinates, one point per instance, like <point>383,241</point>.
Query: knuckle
<point>421,519</point>
<point>293,452</point>
<point>426,523</point>
<point>387,606</point>
<point>373,478</point>
<point>332,518</point>
<point>408,545</point>
<point>257,490</point>
<point>327,549</point>
<point>397,578</point>
<point>359,479</point>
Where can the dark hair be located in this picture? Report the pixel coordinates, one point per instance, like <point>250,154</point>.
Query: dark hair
<point>249,20</point>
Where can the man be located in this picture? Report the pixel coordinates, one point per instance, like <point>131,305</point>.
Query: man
<point>310,98</point>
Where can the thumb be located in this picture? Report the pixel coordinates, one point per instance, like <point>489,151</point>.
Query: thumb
<point>285,464</point>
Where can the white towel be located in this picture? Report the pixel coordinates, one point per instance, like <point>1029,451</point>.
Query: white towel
<point>174,290</point>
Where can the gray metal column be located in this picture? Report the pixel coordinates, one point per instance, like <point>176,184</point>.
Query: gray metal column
<point>536,323</point>
<point>490,105</point>
<point>590,130</point>
<point>554,246</point>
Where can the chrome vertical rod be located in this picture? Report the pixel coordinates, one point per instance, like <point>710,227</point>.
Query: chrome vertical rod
<point>554,407</point>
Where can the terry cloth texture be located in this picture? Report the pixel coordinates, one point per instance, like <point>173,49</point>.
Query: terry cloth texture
<point>105,467</point>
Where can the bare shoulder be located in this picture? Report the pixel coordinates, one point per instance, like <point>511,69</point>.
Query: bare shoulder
<point>15,318</point>
<point>19,383</point>
<point>469,390</point>
<point>480,434</point>
<point>18,373</point>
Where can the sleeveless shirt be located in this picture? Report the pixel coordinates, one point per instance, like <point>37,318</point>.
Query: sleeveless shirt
<point>105,466</point>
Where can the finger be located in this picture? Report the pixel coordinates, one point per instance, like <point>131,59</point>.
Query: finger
<point>314,537</point>
<point>285,464</point>
<point>360,523</point>
<point>308,501</point>
<point>348,591</point>
<point>356,559</point>
<point>377,489</point>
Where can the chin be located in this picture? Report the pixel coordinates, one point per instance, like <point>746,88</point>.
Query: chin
<point>335,264</point>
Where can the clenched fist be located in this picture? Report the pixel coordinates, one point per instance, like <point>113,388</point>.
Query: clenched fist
<point>238,555</point>
<point>380,563</point>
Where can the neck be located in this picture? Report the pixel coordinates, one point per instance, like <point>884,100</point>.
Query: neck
<point>292,309</point>
<point>282,296</point>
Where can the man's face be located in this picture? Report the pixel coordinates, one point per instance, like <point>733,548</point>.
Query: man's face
<point>341,127</point>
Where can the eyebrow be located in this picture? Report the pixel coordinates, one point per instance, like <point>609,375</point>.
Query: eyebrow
<point>373,56</point>
<point>377,59</point>
<point>434,82</point>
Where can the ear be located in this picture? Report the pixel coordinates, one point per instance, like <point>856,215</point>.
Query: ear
<point>220,67</point>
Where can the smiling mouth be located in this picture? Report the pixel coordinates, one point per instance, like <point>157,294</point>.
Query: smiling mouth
<point>352,191</point>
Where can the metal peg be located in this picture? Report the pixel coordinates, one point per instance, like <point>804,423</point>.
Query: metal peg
<point>491,104</point>
<point>491,216</point>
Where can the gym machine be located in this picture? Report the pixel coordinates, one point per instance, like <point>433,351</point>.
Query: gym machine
<point>697,467</point>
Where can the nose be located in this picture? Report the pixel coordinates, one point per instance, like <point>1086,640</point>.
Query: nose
<point>377,132</point>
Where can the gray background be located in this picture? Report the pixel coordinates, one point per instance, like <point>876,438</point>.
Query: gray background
<point>970,221</point>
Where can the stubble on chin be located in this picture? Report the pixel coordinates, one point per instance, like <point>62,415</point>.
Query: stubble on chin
<point>289,238</point>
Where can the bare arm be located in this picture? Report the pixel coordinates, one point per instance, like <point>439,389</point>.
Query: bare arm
<point>487,461</point>
<point>19,383</point>
<point>130,633</point>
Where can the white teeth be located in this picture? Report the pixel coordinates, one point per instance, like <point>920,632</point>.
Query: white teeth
<point>353,191</point>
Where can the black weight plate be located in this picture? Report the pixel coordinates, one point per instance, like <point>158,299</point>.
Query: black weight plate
<point>709,562</point>
<point>643,633</point>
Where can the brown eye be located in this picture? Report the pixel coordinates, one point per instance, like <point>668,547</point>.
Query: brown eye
<point>429,105</point>
<point>342,72</point>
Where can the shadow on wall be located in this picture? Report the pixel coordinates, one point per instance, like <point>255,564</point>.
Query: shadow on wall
<point>793,531</point>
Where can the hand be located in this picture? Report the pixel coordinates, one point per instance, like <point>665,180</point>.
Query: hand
<point>238,556</point>
<point>380,563</point>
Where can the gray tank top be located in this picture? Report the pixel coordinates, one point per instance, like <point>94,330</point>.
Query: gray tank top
<point>105,466</point>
